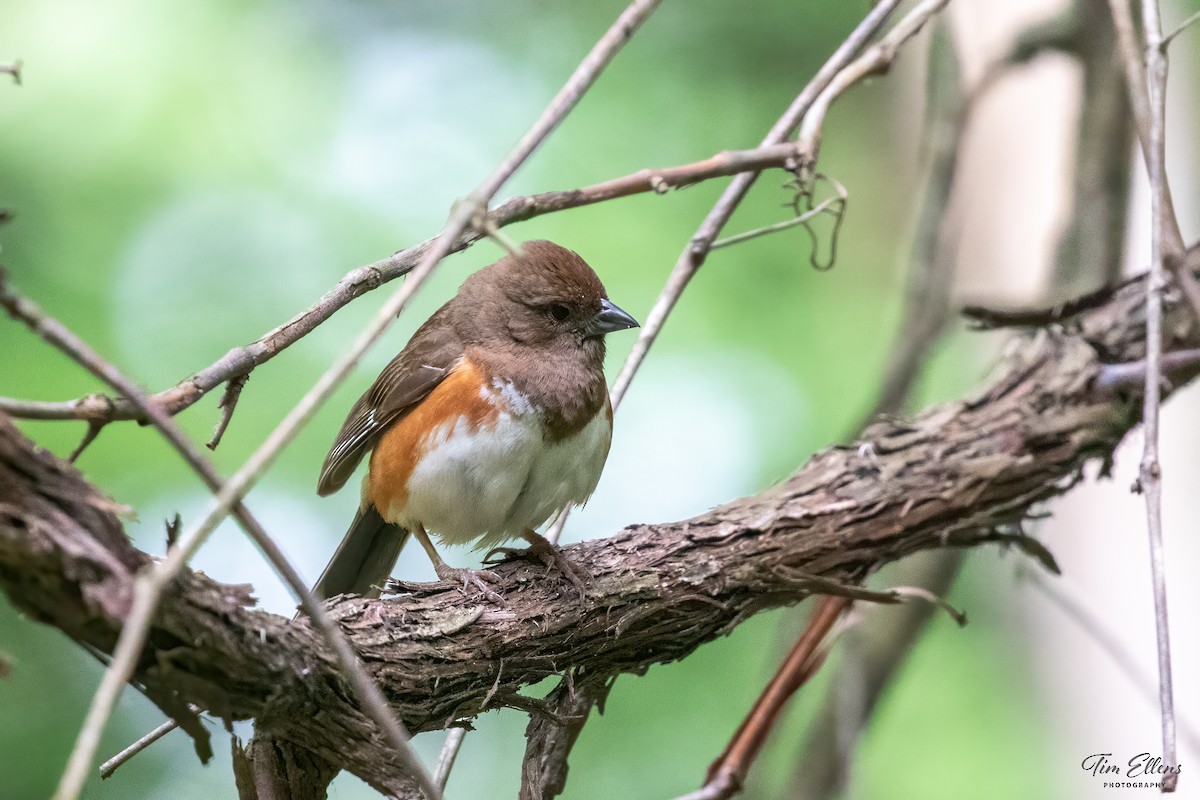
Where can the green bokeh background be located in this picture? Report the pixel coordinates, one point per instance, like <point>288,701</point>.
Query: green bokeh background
<point>188,175</point>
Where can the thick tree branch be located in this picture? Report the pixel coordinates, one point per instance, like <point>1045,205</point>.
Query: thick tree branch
<point>958,475</point>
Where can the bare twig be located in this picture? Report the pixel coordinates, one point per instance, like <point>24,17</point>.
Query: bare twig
<point>74,775</point>
<point>696,251</point>
<point>116,762</point>
<point>876,60</point>
<point>883,638</point>
<point>1183,26</point>
<point>233,390</point>
<point>1178,365</point>
<point>93,430</point>
<point>449,753</point>
<point>241,360</point>
<point>1151,471</point>
<point>1134,59</point>
<point>150,589</point>
<point>732,766</point>
<point>825,206</point>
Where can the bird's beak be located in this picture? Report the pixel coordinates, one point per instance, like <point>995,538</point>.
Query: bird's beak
<point>609,319</point>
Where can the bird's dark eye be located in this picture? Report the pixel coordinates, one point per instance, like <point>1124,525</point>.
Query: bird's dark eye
<point>559,312</point>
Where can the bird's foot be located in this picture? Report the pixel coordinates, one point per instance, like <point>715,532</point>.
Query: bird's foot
<point>546,552</point>
<point>479,578</point>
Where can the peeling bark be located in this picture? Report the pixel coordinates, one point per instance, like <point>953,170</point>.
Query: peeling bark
<point>960,474</point>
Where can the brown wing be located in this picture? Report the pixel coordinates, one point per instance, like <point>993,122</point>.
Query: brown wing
<point>406,381</point>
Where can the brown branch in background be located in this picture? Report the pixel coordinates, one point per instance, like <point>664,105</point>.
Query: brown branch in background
<point>727,774</point>
<point>1150,473</point>
<point>878,643</point>
<point>947,478</point>
<point>78,765</point>
<point>239,361</point>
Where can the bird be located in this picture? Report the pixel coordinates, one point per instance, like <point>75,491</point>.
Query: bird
<point>494,416</point>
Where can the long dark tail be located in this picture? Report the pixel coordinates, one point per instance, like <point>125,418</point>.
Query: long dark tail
<point>364,559</point>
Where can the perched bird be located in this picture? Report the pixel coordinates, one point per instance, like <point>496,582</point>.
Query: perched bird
<point>493,416</point>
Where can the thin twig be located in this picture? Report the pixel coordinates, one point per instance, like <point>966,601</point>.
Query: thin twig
<point>110,689</point>
<point>114,763</point>
<point>1134,59</point>
<point>93,430</point>
<point>1151,471</point>
<point>132,638</point>
<point>240,360</point>
<point>807,216</point>
<point>694,254</point>
<point>1187,23</point>
<point>732,766</point>
<point>446,758</point>
<point>1178,365</point>
<point>875,60</point>
<point>233,390</point>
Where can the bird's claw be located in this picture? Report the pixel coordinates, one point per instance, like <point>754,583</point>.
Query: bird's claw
<point>541,549</point>
<point>479,578</point>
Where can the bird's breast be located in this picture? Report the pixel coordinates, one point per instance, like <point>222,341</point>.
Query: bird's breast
<point>474,461</point>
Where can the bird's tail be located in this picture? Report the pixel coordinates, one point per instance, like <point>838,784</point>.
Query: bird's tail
<point>364,559</point>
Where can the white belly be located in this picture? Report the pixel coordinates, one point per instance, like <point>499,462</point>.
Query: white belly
<point>494,483</point>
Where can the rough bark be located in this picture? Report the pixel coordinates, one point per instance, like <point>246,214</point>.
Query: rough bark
<point>960,474</point>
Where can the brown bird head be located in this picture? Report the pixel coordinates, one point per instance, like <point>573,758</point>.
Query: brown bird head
<point>546,298</point>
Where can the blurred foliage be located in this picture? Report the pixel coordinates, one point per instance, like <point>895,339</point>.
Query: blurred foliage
<point>188,175</point>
